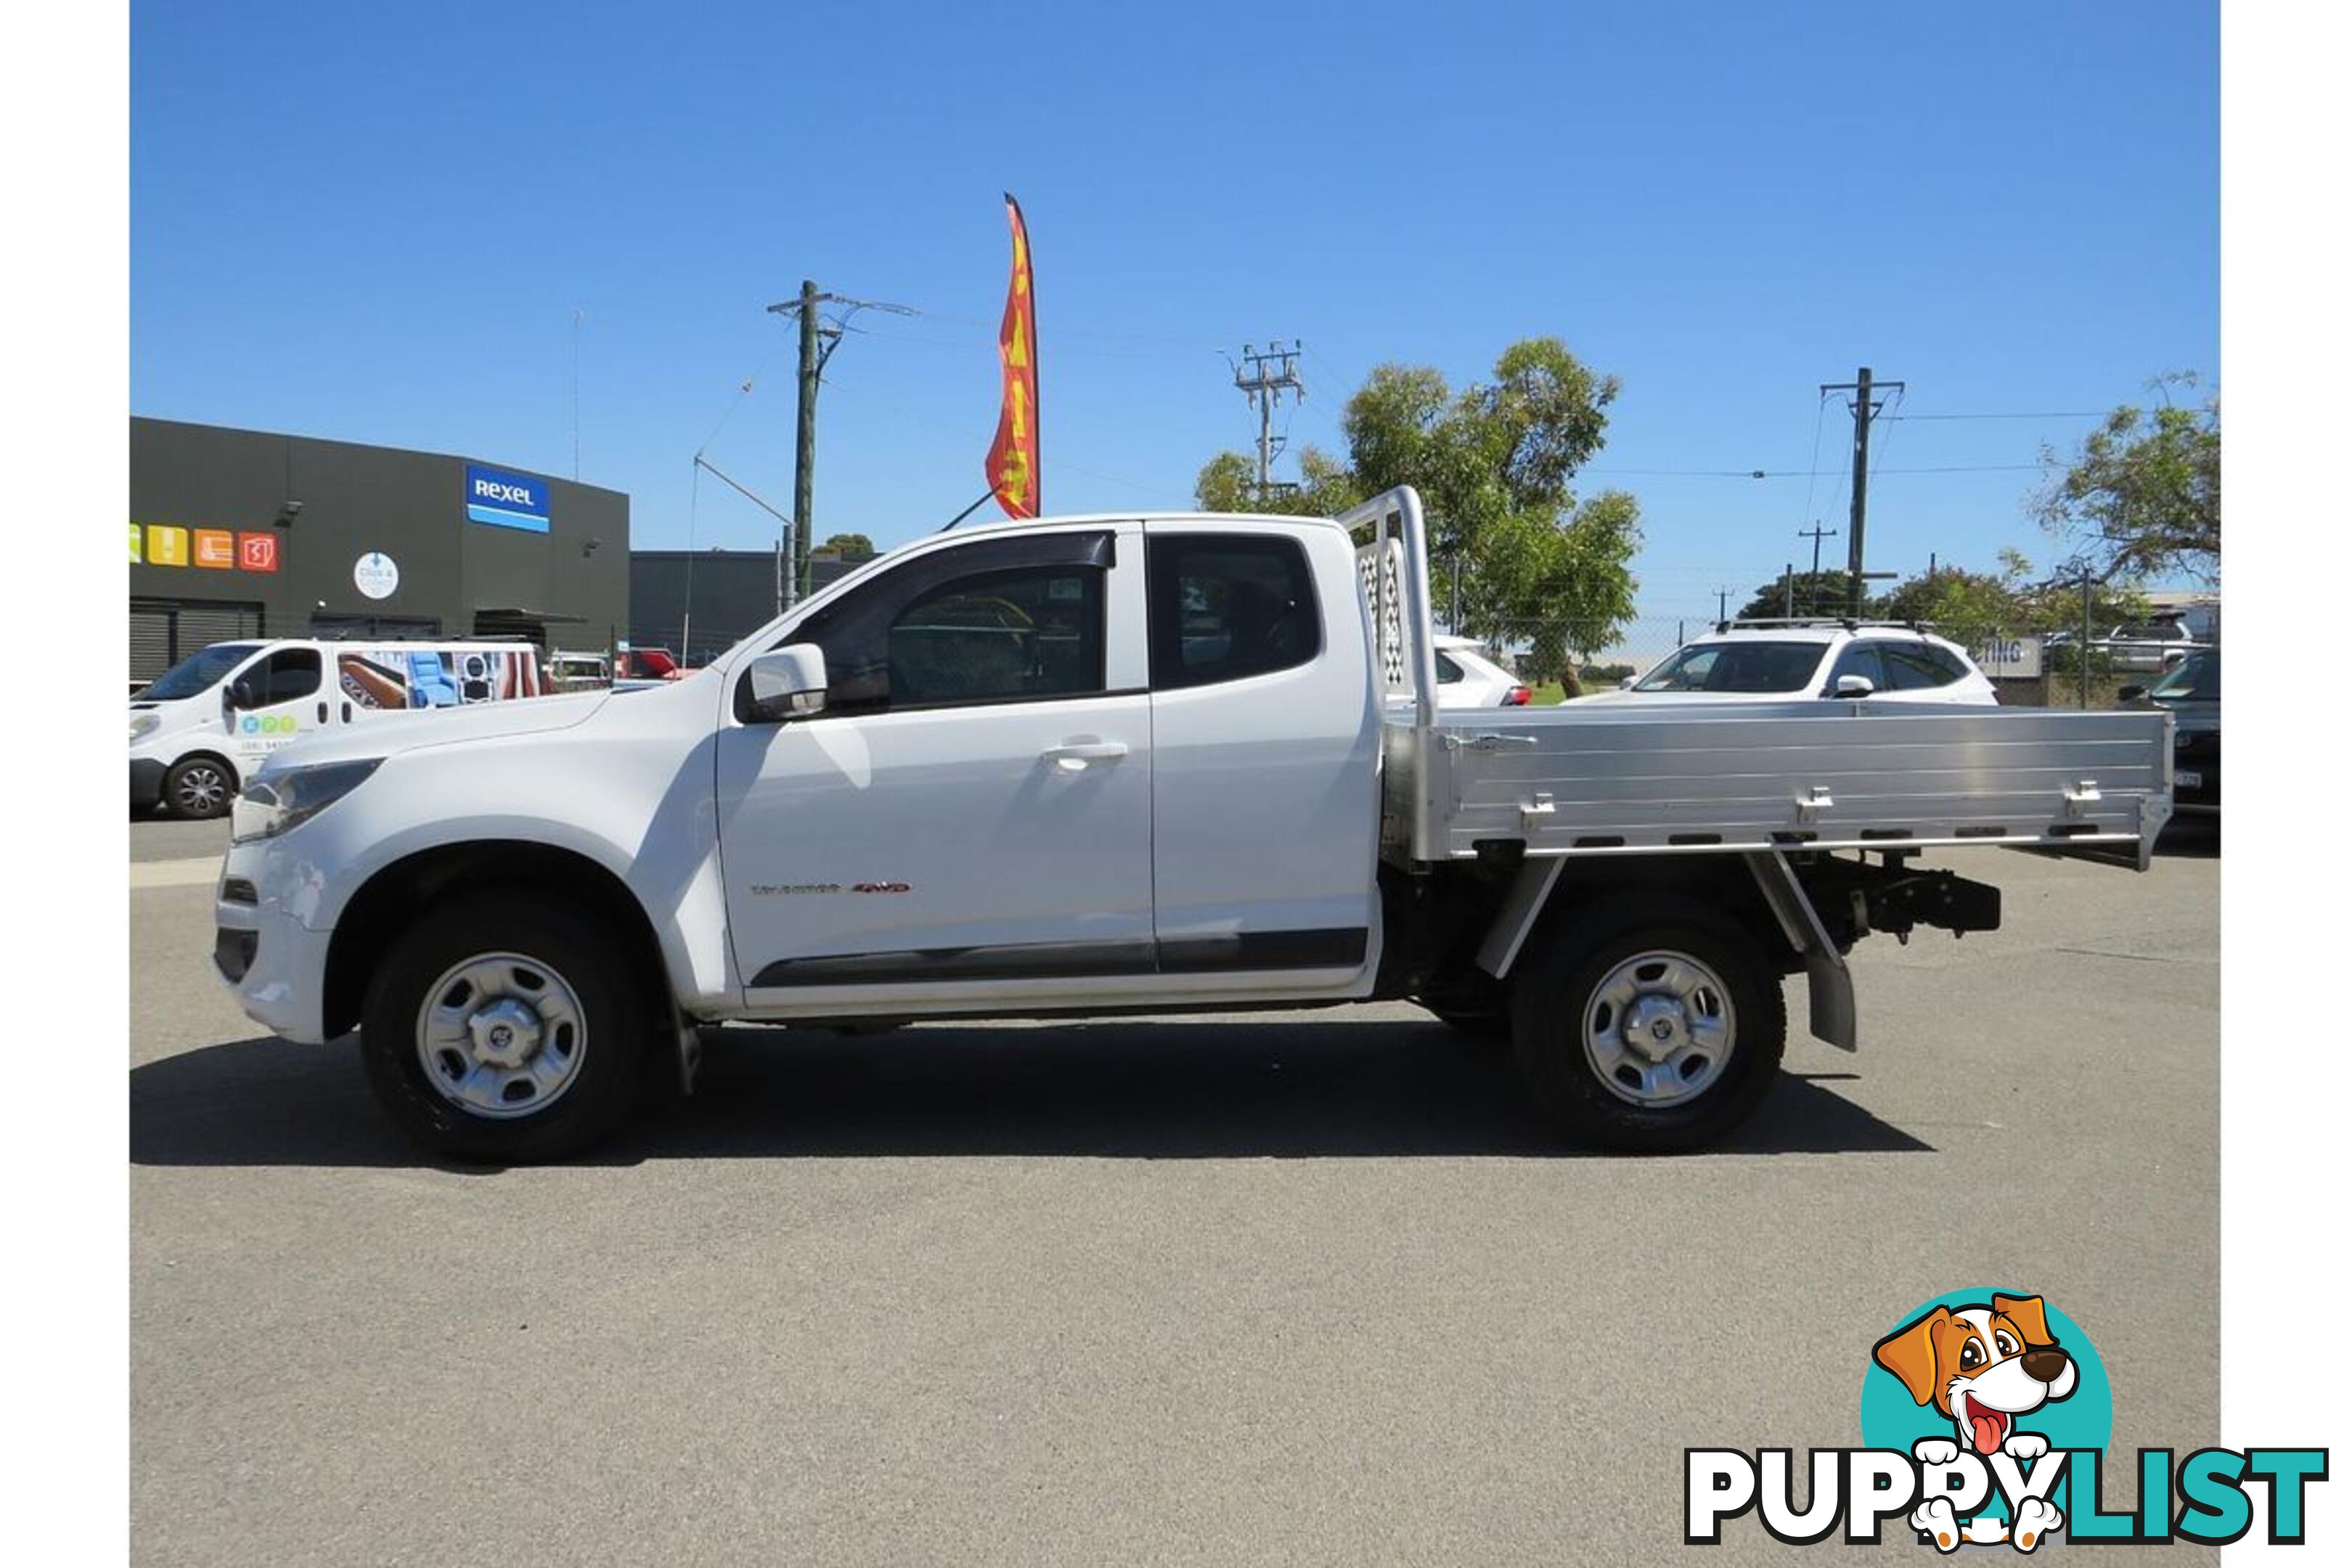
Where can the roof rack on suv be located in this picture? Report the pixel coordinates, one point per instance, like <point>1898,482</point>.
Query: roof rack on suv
<point>1850,623</point>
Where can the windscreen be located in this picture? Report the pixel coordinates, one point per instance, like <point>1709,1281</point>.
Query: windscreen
<point>197,673</point>
<point>1736,667</point>
<point>2198,679</point>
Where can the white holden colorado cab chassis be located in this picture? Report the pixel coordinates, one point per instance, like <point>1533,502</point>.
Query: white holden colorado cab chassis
<point>1118,764</point>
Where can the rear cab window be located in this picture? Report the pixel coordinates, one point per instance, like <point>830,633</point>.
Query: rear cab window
<point>1227,606</point>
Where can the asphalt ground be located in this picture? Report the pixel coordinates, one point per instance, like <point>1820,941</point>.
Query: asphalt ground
<point>1292,1288</point>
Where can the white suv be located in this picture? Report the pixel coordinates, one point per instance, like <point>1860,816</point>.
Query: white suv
<point>1778,663</point>
<point>1469,678</point>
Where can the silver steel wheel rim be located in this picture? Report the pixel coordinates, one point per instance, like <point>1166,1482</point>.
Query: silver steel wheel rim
<point>1659,1029</point>
<point>202,788</point>
<point>500,1034</point>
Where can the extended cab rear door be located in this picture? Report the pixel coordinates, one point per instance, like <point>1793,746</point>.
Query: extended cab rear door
<point>1265,751</point>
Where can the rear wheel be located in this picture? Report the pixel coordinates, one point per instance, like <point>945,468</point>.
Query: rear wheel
<point>1654,1031</point>
<point>507,1028</point>
<point>199,787</point>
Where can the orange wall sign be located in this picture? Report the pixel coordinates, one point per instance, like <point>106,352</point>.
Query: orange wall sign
<point>213,548</point>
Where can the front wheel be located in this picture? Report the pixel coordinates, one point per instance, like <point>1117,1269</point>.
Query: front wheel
<point>199,787</point>
<point>505,1030</point>
<point>1655,1032</point>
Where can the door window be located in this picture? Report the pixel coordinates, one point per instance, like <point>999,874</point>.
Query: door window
<point>1010,620</point>
<point>1026,635</point>
<point>1226,606</point>
<point>1920,667</point>
<point>289,674</point>
<point>1859,658</point>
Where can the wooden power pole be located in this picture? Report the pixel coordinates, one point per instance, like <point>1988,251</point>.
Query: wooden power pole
<point>1865,410</point>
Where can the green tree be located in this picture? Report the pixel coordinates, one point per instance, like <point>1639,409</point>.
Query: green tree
<point>848,546</point>
<point>1228,482</point>
<point>1493,463</point>
<point>1968,607</point>
<point>2142,496</point>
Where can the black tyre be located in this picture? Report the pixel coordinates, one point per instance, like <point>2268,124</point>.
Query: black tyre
<point>1651,1030</point>
<point>507,1028</point>
<point>199,787</point>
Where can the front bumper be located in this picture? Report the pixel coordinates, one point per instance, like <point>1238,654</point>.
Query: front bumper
<point>274,964</point>
<point>146,781</point>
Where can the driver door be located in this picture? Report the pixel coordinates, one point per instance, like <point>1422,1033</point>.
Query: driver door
<point>972,809</point>
<point>272,701</point>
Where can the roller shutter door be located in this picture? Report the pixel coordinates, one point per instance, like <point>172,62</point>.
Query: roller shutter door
<point>151,643</point>
<point>165,631</point>
<point>203,624</point>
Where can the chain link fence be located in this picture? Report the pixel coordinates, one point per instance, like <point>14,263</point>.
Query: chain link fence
<point>2028,668</point>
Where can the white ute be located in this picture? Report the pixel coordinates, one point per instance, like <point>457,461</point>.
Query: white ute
<point>1108,765</point>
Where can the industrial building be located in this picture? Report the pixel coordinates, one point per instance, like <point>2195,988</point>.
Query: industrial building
<point>712,599</point>
<point>245,533</point>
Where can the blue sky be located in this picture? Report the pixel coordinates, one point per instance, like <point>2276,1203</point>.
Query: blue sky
<point>380,228</point>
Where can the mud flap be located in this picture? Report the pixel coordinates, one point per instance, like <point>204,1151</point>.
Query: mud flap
<point>1829,984</point>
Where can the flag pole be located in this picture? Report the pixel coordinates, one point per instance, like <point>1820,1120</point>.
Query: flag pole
<point>985,496</point>
<point>1036,372</point>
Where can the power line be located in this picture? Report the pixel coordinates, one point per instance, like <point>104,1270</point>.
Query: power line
<point>1813,467</point>
<point>1878,458</point>
<point>1807,473</point>
<point>2055,414</point>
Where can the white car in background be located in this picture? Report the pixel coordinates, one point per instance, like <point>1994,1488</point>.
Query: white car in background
<point>1467,678</point>
<point>1765,662</point>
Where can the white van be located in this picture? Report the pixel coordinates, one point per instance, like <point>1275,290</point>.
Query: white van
<point>203,725</point>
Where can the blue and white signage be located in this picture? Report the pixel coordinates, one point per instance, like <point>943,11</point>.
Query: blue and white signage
<point>2006,658</point>
<point>506,501</point>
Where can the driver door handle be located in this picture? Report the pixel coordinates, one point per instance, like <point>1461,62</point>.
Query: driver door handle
<point>1075,755</point>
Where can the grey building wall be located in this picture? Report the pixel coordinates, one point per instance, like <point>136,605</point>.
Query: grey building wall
<point>734,595</point>
<point>327,503</point>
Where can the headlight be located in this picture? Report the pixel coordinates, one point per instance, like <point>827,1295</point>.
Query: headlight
<point>143,724</point>
<point>275,803</point>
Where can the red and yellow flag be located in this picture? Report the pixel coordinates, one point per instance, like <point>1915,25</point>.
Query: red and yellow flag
<point>1012,457</point>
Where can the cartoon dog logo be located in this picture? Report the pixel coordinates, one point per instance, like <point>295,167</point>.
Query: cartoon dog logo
<point>1983,1366</point>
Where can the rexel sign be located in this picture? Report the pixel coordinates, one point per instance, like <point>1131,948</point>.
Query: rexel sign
<point>506,501</point>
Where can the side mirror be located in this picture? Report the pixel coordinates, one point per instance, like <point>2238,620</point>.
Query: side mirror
<point>240,695</point>
<point>1854,686</point>
<point>2130,694</point>
<point>1626,684</point>
<point>788,683</point>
